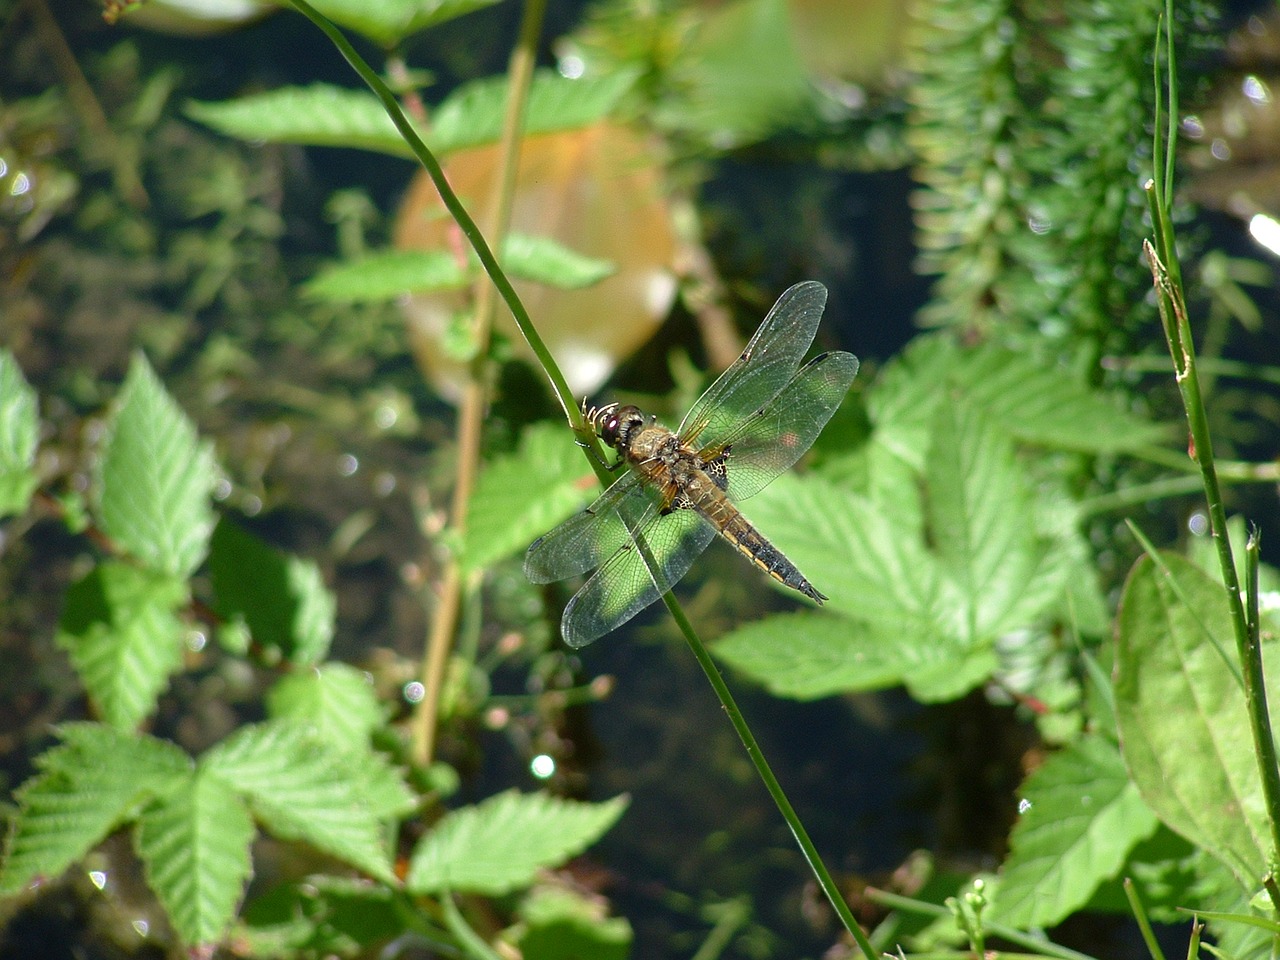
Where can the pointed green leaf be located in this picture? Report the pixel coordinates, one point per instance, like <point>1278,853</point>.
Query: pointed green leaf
<point>300,789</point>
<point>878,574</point>
<point>501,844</point>
<point>154,477</point>
<point>1083,816</point>
<point>560,924</point>
<point>806,656</point>
<point>336,699</point>
<point>121,630</point>
<point>194,844</point>
<point>19,430</point>
<point>982,526</point>
<point>88,786</point>
<point>1181,714</point>
<point>338,703</point>
<point>281,598</point>
<point>389,22</point>
<point>318,115</point>
<point>546,261</point>
<point>520,497</point>
<point>1048,406</point>
<point>472,114</point>
<point>387,275</point>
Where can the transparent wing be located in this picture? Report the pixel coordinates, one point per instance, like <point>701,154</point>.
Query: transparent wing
<point>764,367</point>
<point>624,585</point>
<point>767,443</point>
<point>589,538</point>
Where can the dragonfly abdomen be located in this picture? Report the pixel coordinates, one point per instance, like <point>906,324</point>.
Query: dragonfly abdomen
<point>735,528</point>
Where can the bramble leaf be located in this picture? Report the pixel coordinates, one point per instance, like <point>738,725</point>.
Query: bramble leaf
<point>500,845</point>
<point>194,844</point>
<point>154,477</point>
<point>121,630</point>
<point>19,431</point>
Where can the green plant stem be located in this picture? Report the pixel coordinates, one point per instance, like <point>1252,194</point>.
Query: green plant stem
<point>583,430</point>
<point>1144,925</point>
<point>820,872</point>
<point>475,394</point>
<point>1167,278</point>
<point>460,216</point>
<point>1042,948</point>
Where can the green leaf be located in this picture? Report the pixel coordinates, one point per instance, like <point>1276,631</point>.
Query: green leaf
<point>194,844</point>
<point>336,699</point>
<point>154,477</point>
<point>120,628</point>
<point>1033,402</point>
<point>387,275</point>
<point>543,260</point>
<point>389,22</point>
<point>87,787</point>
<point>519,498</point>
<point>472,114</point>
<point>743,74</point>
<point>560,924</point>
<point>321,916</point>
<point>393,273</point>
<point>281,598</point>
<point>19,431</point>
<point>319,115</point>
<point>1083,816</point>
<point>982,526</point>
<point>339,704</point>
<point>327,116</point>
<point>880,575</point>
<point>1181,714</point>
<point>500,845</point>
<point>1048,406</point>
<point>301,789</point>
<point>806,656</point>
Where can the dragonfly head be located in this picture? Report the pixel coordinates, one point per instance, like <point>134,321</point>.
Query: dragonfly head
<point>615,424</point>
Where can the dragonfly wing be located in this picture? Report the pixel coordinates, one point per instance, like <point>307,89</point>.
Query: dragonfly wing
<point>764,367</point>
<point>589,538</point>
<point>625,584</point>
<point>764,445</point>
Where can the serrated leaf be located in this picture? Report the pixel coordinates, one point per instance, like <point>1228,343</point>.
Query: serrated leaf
<point>546,261</point>
<point>281,598</point>
<point>520,497</point>
<point>319,115</point>
<point>1083,816</point>
<point>806,656</point>
<point>387,275</point>
<point>121,630</point>
<point>1181,714</point>
<point>328,116</point>
<point>334,698</point>
<point>1048,406</point>
<point>982,526</point>
<point>300,789</point>
<point>321,916</point>
<point>389,22</point>
<point>194,845</point>
<point>154,477</point>
<point>19,431</point>
<point>878,574</point>
<point>500,845</point>
<point>1033,402</point>
<point>87,787</point>
<point>472,114</point>
<point>561,925</point>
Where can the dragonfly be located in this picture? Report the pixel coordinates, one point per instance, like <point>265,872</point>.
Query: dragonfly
<point>681,487</point>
